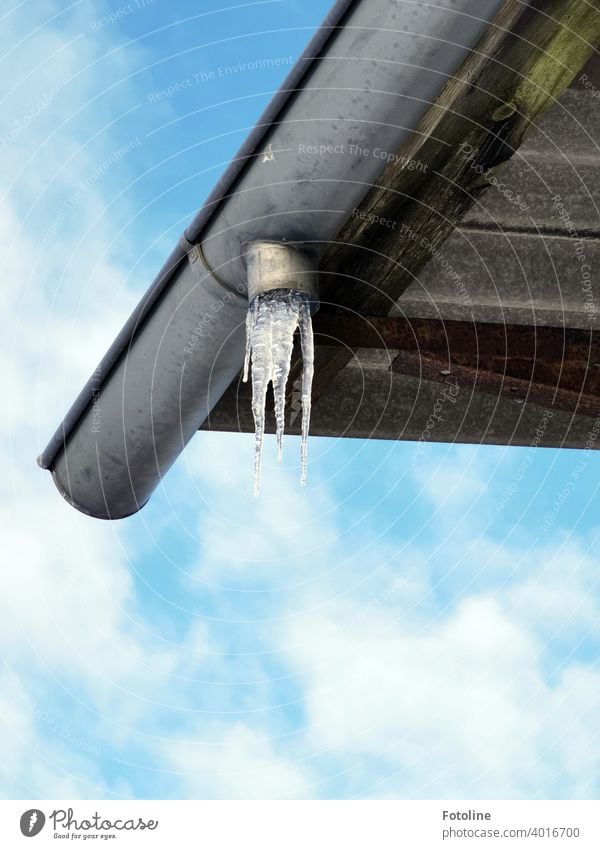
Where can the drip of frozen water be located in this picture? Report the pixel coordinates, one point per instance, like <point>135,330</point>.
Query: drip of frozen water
<point>272,320</point>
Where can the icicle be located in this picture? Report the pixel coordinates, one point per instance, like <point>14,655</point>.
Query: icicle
<point>284,327</point>
<point>271,323</point>
<point>262,374</point>
<point>250,319</point>
<point>308,369</point>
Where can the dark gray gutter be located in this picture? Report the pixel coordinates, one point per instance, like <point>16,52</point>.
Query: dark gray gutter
<point>357,93</point>
<point>193,234</point>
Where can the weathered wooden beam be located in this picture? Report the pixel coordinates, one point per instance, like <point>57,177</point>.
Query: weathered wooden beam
<point>471,338</point>
<point>557,368</point>
<point>553,367</point>
<point>553,389</point>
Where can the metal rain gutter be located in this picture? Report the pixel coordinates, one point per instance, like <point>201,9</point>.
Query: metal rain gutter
<point>360,88</point>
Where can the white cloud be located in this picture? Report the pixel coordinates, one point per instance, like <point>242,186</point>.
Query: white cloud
<point>468,698</point>
<point>67,603</point>
<point>41,755</point>
<point>456,708</point>
<point>233,762</point>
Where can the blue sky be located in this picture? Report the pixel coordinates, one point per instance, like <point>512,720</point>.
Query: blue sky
<point>394,630</point>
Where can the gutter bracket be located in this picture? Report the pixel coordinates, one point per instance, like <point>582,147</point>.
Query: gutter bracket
<point>202,270</point>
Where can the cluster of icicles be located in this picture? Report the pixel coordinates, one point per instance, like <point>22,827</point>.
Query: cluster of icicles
<point>272,320</point>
